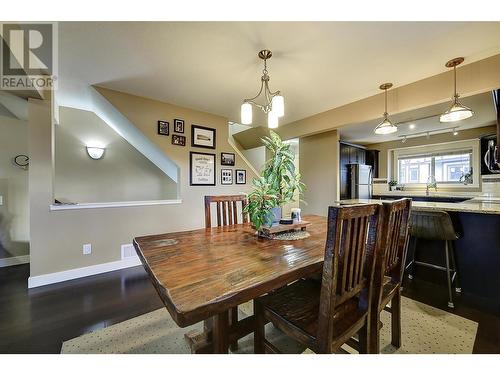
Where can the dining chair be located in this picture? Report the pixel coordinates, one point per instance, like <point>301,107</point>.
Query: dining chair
<point>227,209</point>
<point>227,214</point>
<point>389,269</point>
<point>323,316</point>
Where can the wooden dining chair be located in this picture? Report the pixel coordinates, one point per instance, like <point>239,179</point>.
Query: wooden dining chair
<point>227,214</point>
<point>323,316</point>
<point>227,209</point>
<point>389,269</point>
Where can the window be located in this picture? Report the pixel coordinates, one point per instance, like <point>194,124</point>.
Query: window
<point>446,167</point>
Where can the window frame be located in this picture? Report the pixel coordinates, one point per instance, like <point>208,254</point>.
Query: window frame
<point>472,145</point>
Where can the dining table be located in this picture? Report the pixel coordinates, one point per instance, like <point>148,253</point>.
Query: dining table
<point>200,275</point>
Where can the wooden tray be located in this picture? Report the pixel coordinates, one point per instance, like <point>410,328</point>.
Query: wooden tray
<point>280,228</point>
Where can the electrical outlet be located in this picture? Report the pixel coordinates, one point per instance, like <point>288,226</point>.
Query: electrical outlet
<point>87,249</point>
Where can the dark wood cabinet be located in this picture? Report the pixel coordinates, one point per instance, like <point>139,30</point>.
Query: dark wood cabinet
<point>349,154</point>
<point>371,158</point>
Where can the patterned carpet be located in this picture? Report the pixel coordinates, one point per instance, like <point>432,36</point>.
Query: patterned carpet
<point>425,330</point>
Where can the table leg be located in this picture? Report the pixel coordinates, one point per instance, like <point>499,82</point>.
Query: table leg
<point>220,333</point>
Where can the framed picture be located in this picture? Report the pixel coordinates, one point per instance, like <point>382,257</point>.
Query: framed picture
<point>178,125</point>
<point>227,158</point>
<point>202,136</point>
<point>226,176</point>
<point>202,169</point>
<point>178,140</point>
<point>163,127</point>
<point>241,176</point>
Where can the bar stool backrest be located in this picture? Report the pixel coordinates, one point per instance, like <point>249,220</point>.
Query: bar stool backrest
<point>349,261</point>
<point>432,225</point>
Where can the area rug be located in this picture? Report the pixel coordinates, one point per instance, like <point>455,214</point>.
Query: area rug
<point>425,330</point>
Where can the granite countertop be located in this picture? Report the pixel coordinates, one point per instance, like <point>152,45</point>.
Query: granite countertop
<point>481,207</point>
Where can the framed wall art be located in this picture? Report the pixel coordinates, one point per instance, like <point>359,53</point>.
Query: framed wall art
<point>202,169</point>
<point>226,176</point>
<point>241,176</point>
<point>227,158</point>
<point>163,127</point>
<point>202,136</point>
<point>178,140</point>
<point>178,125</point>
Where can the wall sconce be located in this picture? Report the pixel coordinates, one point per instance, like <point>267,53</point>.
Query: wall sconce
<point>95,152</point>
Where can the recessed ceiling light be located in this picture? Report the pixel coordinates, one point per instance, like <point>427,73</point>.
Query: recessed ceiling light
<point>412,126</point>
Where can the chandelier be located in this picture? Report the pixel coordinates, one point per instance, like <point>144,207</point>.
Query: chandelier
<point>457,110</point>
<point>272,104</point>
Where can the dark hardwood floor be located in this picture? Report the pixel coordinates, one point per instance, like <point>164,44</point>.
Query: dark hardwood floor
<point>40,319</point>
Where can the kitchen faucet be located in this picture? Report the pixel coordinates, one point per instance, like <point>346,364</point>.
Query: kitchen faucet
<point>431,183</point>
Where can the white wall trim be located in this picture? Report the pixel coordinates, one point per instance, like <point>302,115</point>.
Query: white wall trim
<point>14,261</point>
<point>76,273</point>
<point>82,206</point>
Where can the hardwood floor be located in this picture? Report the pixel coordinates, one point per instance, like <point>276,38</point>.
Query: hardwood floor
<point>40,319</point>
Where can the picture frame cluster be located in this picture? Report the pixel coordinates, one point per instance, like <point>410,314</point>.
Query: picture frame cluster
<point>202,165</point>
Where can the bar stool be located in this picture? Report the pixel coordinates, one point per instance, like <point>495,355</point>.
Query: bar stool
<point>436,225</point>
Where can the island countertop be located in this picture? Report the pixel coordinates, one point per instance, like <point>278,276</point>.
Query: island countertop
<point>471,206</point>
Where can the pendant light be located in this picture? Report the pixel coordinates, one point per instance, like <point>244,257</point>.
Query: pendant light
<point>386,126</point>
<point>457,111</point>
<point>271,103</point>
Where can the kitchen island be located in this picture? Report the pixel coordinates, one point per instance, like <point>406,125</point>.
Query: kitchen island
<point>478,249</point>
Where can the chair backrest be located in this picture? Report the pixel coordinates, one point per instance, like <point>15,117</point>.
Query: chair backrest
<point>350,250</point>
<point>395,218</point>
<point>432,225</point>
<point>227,209</point>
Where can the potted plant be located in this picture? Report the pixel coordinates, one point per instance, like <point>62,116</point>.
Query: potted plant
<point>277,185</point>
<point>392,185</point>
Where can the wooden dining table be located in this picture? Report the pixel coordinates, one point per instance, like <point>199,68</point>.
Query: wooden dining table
<point>201,274</point>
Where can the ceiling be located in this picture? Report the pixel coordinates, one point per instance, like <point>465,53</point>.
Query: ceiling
<point>422,120</point>
<point>212,66</point>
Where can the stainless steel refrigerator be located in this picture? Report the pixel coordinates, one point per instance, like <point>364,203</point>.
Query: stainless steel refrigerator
<point>360,181</point>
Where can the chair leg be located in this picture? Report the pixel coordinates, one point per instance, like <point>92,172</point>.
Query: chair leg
<point>364,337</point>
<point>448,275</point>
<point>458,289</point>
<point>374,344</point>
<point>396,319</point>
<point>258,336</point>
<point>411,265</point>
<point>233,318</point>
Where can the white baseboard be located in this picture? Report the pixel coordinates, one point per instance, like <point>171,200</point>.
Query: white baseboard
<point>14,261</point>
<point>76,273</point>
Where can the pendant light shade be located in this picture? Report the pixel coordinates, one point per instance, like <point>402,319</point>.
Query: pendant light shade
<point>278,105</point>
<point>386,126</point>
<point>246,113</point>
<point>272,120</point>
<point>457,110</point>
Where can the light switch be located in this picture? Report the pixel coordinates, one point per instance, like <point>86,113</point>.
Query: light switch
<point>87,249</point>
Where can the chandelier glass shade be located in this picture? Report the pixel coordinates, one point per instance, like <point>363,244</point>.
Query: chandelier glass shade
<point>386,126</point>
<point>457,110</point>
<point>272,103</point>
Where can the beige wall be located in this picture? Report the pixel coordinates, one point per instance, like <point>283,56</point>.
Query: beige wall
<point>14,214</point>
<point>57,236</point>
<point>384,147</point>
<point>123,174</point>
<point>319,166</point>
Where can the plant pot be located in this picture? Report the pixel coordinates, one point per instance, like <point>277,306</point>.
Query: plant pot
<point>277,212</point>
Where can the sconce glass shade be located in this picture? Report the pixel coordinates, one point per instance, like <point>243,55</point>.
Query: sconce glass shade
<point>456,112</point>
<point>278,105</point>
<point>95,153</point>
<point>272,120</point>
<point>386,127</point>
<point>246,113</point>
